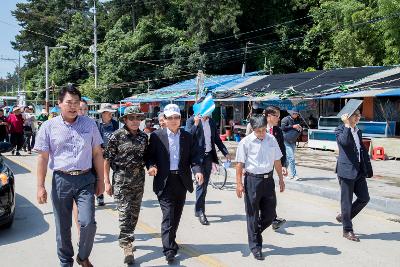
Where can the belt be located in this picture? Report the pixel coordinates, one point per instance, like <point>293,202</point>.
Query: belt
<point>263,175</point>
<point>75,172</point>
<point>176,172</point>
<point>207,153</point>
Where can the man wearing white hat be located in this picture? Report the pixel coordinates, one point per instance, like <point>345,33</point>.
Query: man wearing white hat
<point>171,153</point>
<point>107,126</point>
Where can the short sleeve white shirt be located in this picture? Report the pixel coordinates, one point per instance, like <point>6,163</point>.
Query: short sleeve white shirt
<point>258,156</point>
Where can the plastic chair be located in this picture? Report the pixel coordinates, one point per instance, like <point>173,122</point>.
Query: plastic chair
<point>378,153</point>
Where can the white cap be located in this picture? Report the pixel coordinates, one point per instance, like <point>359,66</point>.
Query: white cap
<point>171,109</point>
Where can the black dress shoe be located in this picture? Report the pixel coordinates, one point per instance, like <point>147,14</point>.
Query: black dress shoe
<point>277,223</point>
<point>258,255</point>
<point>339,218</point>
<point>170,256</point>
<point>351,236</point>
<point>203,219</point>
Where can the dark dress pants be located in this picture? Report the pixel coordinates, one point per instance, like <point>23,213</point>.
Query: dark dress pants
<point>349,209</point>
<point>17,140</point>
<point>171,202</point>
<point>260,203</point>
<point>201,190</point>
<point>66,189</point>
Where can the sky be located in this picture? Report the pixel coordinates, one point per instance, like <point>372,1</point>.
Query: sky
<point>7,34</point>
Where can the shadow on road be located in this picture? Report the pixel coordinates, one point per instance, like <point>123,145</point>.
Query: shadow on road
<point>309,224</point>
<point>15,167</point>
<point>151,203</point>
<point>208,249</point>
<point>105,238</point>
<point>226,218</point>
<point>156,253</point>
<point>29,222</point>
<point>110,238</point>
<point>317,179</point>
<point>393,236</point>
<point>275,250</point>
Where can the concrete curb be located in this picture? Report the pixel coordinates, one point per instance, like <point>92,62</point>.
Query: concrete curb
<point>377,203</point>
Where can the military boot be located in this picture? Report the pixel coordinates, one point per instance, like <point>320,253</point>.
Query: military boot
<point>128,254</point>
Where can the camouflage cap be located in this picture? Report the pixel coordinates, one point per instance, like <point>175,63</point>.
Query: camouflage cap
<point>132,110</point>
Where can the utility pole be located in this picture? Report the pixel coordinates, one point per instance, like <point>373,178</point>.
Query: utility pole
<point>95,43</point>
<point>133,18</point>
<point>199,84</point>
<point>245,58</point>
<point>46,54</point>
<point>270,67</point>
<point>19,78</point>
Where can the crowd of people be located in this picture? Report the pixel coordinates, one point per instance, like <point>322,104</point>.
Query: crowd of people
<point>82,152</point>
<point>20,127</point>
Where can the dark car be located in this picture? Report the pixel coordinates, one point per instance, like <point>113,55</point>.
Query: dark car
<point>7,190</point>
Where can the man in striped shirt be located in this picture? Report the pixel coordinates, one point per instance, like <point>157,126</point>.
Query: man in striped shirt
<point>70,143</point>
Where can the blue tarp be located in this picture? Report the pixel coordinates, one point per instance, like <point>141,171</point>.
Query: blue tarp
<point>394,92</point>
<point>334,96</point>
<point>179,91</point>
<point>210,82</point>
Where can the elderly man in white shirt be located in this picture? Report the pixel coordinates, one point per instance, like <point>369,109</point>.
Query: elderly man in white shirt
<point>258,154</point>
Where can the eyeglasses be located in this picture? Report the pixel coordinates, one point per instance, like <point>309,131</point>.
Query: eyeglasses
<point>133,118</point>
<point>72,103</point>
<point>173,118</point>
<point>357,114</point>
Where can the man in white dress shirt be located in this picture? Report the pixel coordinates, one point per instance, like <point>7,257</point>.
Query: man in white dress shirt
<point>258,153</point>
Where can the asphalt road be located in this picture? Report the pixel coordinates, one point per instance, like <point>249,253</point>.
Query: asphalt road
<point>311,236</point>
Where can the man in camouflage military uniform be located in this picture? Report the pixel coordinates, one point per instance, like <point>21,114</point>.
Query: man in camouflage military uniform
<point>125,153</point>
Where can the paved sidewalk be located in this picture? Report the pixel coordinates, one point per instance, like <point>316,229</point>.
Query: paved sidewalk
<point>316,170</point>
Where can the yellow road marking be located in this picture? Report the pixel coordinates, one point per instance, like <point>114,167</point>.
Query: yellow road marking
<point>186,249</point>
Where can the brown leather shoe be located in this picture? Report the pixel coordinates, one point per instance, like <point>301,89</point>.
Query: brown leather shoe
<point>83,263</point>
<point>351,236</point>
<point>339,218</point>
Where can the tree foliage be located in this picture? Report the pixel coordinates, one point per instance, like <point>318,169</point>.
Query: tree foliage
<point>146,44</point>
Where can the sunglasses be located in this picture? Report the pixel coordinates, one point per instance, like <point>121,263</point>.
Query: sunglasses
<point>173,118</point>
<point>133,118</point>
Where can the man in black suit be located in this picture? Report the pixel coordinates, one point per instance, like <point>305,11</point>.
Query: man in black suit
<point>273,113</point>
<point>171,153</point>
<point>353,166</point>
<point>204,132</point>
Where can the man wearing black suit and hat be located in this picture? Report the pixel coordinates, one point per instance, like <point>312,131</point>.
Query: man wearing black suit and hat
<point>204,131</point>
<point>171,153</point>
<point>353,167</point>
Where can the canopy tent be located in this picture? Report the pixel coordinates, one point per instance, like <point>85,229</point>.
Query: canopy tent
<point>365,93</point>
<point>309,84</point>
<point>323,84</point>
<point>186,90</point>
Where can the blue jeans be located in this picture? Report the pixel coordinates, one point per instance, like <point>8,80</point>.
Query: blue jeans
<point>65,190</point>
<point>290,149</point>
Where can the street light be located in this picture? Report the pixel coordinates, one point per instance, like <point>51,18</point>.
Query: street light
<point>46,52</point>
<point>245,58</point>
